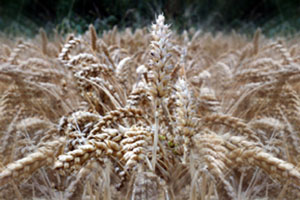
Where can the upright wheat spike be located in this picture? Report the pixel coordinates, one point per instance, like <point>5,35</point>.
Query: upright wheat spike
<point>186,121</point>
<point>44,41</point>
<point>159,87</point>
<point>93,36</point>
<point>256,38</point>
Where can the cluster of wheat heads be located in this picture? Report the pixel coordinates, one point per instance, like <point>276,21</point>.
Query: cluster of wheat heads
<point>149,115</point>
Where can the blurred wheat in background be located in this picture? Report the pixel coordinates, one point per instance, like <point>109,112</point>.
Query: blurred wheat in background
<point>149,115</point>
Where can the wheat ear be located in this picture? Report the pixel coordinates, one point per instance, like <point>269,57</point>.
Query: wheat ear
<point>44,41</point>
<point>93,36</point>
<point>159,86</point>
<point>232,122</point>
<point>26,166</point>
<point>246,152</point>
<point>186,120</point>
<point>64,54</point>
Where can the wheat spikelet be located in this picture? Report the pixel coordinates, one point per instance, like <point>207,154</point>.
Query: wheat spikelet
<point>256,41</point>
<point>24,167</point>
<point>186,121</point>
<point>207,102</point>
<point>107,54</point>
<point>250,153</point>
<point>232,122</point>
<point>135,146</point>
<point>267,123</point>
<point>100,139</point>
<point>93,36</point>
<point>82,58</point>
<point>44,41</point>
<point>138,96</point>
<point>64,55</point>
<point>115,116</point>
<point>93,70</point>
<point>16,52</point>
<point>214,159</point>
<point>160,47</point>
<point>212,149</point>
<point>78,157</point>
<point>284,53</point>
<point>30,62</point>
<point>7,50</point>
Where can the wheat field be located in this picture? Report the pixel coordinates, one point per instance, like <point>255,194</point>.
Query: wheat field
<point>150,114</point>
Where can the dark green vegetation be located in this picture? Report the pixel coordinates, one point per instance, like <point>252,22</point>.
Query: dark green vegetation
<point>27,16</point>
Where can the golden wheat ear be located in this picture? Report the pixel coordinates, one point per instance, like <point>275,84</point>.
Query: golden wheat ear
<point>44,41</point>
<point>247,152</point>
<point>256,39</point>
<point>64,54</point>
<point>93,37</point>
<point>25,167</point>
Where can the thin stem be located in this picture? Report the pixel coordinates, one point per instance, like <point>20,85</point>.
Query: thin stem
<point>155,142</point>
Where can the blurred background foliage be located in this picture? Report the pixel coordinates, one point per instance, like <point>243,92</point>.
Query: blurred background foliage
<point>25,17</point>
